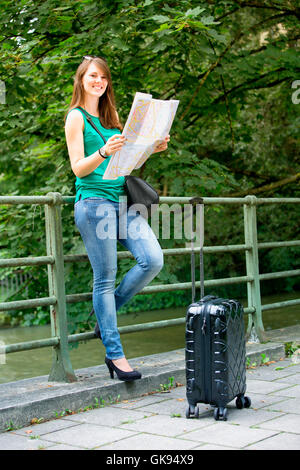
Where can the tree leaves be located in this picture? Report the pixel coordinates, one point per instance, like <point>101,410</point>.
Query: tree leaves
<point>169,50</point>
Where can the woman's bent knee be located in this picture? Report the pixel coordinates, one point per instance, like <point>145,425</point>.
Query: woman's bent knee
<point>154,263</point>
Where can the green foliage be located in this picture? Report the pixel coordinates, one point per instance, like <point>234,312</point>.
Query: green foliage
<point>291,348</point>
<point>231,64</point>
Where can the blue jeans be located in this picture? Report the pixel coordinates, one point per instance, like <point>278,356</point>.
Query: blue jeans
<point>102,223</point>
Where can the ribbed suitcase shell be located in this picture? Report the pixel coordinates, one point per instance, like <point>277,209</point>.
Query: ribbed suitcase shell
<point>215,354</point>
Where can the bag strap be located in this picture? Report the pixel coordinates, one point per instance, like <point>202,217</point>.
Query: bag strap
<point>197,201</point>
<point>92,123</point>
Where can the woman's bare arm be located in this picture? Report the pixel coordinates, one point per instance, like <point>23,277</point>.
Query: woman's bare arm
<point>80,165</point>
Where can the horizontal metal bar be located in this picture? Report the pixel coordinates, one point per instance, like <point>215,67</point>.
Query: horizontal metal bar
<point>37,261</point>
<point>214,200</point>
<point>19,304</point>
<point>151,325</point>
<point>188,250</point>
<point>278,200</point>
<point>248,310</point>
<point>83,297</point>
<point>207,249</point>
<point>162,323</point>
<point>286,303</point>
<point>182,200</point>
<point>163,199</point>
<point>81,337</point>
<point>130,329</point>
<point>278,275</point>
<point>26,199</point>
<point>167,252</point>
<point>28,345</point>
<point>43,260</point>
<point>279,244</point>
<point>47,342</point>
<point>140,327</point>
<point>206,200</point>
<point>42,343</point>
<point>188,285</point>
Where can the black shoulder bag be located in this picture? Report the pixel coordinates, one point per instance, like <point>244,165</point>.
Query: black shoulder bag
<point>138,191</point>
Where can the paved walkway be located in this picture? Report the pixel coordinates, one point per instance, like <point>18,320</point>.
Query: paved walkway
<point>157,421</point>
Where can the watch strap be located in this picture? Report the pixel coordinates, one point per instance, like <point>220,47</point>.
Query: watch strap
<point>102,152</point>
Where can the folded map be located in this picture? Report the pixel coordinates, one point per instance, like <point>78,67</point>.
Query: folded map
<point>148,123</point>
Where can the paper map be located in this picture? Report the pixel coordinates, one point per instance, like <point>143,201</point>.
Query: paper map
<point>148,123</point>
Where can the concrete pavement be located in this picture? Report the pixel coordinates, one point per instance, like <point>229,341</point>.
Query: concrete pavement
<point>152,416</point>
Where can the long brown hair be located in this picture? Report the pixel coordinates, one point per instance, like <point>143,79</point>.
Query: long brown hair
<point>107,106</point>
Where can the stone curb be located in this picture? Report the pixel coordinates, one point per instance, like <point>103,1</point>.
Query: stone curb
<point>24,400</point>
<point>257,353</point>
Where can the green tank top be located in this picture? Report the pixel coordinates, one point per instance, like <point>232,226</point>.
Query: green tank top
<point>93,185</point>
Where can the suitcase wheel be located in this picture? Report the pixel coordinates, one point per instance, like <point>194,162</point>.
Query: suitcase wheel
<point>242,402</point>
<point>192,411</point>
<point>220,413</point>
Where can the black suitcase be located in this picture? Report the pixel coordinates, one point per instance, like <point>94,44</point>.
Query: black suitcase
<point>215,349</point>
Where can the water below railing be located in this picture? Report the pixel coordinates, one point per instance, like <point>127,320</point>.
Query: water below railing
<point>25,364</point>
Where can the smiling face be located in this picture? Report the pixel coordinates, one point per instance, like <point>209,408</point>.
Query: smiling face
<point>94,80</point>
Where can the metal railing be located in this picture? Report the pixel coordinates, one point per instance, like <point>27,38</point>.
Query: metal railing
<point>11,284</point>
<point>57,300</point>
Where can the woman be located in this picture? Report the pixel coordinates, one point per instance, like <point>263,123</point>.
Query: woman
<point>97,208</point>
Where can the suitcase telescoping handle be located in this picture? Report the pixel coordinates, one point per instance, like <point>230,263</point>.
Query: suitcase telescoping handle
<point>197,207</point>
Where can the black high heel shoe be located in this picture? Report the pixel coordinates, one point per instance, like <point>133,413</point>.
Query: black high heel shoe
<point>122,375</point>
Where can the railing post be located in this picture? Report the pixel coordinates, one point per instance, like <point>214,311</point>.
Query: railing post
<point>61,370</point>
<point>252,266</point>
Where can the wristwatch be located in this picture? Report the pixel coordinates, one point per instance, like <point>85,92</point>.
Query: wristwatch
<point>101,152</point>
